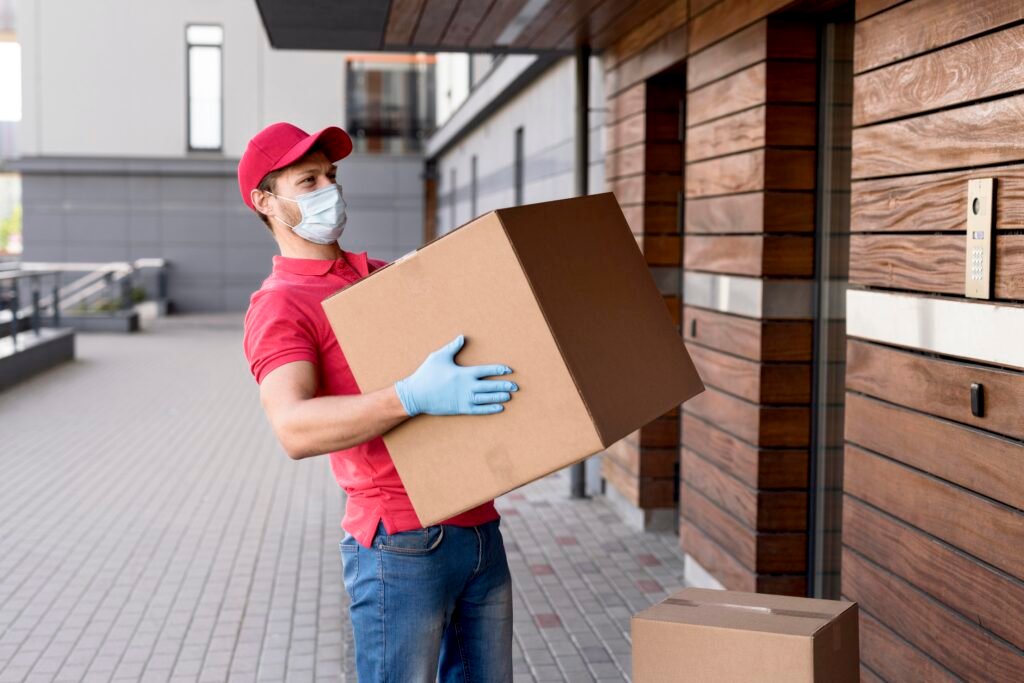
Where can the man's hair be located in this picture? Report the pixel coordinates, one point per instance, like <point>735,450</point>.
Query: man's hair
<point>267,185</point>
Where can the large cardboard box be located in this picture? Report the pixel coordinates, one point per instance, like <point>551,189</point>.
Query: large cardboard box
<point>712,636</point>
<point>558,291</point>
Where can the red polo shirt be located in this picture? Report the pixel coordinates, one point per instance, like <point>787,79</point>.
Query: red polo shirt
<point>286,323</point>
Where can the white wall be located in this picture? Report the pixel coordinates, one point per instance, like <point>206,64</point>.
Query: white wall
<point>546,109</point>
<point>107,78</point>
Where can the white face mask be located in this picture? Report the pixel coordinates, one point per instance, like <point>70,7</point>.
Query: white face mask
<point>323,214</point>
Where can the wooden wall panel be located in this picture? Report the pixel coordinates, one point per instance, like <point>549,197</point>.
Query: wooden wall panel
<point>981,594</point>
<point>770,426</point>
<point>402,21</point>
<point>975,135</point>
<point>755,255</point>
<point>757,382</point>
<point>768,553</point>
<point>932,263</point>
<point>894,659</point>
<point>987,530</point>
<point>749,338</point>
<point>755,212</point>
<point>933,493</point>
<point>969,71</point>
<point>641,492</point>
<point>927,624</point>
<point>933,202</point>
<point>774,125</point>
<point>938,387</point>
<point>760,468</point>
<point>500,14</point>
<point>766,82</point>
<point>761,510</point>
<point>762,169</point>
<point>726,18</point>
<point>920,26</point>
<point>977,460</point>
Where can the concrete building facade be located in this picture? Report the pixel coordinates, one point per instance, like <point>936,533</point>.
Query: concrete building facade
<point>104,149</point>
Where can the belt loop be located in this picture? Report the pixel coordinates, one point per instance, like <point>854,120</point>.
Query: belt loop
<point>479,549</point>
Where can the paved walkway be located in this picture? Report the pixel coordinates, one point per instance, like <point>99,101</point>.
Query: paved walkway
<point>151,529</point>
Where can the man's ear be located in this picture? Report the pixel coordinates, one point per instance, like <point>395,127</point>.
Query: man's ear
<point>261,201</point>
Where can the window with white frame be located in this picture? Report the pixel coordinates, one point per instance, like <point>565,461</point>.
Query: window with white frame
<point>205,43</point>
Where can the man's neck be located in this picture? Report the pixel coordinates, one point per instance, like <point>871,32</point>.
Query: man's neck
<point>309,250</point>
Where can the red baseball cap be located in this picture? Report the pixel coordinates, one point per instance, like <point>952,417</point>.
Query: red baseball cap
<point>281,144</point>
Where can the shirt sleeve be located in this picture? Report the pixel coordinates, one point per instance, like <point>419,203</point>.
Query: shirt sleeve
<point>276,332</point>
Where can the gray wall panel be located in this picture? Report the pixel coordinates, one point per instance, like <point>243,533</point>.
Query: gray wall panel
<point>190,212</point>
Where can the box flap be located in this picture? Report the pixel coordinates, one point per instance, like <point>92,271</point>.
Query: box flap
<point>747,611</point>
<point>578,250</point>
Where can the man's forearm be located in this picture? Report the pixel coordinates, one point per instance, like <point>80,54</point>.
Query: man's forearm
<point>332,423</point>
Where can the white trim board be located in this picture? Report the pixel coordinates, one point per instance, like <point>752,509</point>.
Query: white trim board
<point>750,296</point>
<point>966,329</point>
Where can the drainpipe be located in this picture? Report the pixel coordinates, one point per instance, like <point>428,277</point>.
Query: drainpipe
<point>578,472</point>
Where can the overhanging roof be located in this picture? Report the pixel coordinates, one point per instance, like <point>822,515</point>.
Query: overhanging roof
<point>452,25</point>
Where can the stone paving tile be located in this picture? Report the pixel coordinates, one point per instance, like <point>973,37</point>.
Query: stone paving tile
<point>152,530</point>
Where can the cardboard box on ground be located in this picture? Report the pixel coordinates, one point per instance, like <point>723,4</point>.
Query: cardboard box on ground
<point>713,636</point>
<point>560,292</point>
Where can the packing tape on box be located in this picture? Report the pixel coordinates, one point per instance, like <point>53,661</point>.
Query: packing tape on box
<point>750,608</point>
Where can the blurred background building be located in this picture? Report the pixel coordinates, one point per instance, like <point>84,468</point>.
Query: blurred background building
<point>127,147</point>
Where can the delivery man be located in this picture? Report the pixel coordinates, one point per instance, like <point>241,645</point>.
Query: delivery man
<point>424,601</point>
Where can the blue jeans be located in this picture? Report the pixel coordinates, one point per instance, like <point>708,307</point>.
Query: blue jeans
<point>431,604</point>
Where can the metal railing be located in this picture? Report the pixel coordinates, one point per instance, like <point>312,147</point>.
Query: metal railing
<point>94,280</point>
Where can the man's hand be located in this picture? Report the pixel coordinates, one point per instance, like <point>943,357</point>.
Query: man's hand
<point>441,387</point>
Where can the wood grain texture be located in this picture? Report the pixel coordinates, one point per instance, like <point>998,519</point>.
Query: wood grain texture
<point>983,133</point>
<point>652,157</point>
<point>934,202</point>
<point>959,645</point>
<point>884,651</point>
<point>670,15</point>
<point>764,169</point>
<point>641,492</point>
<point>554,21</point>
<point>761,510</point>
<point>651,463</point>
<point>759,552</point>
<point>667,52</point>
<point>611,22</point>
<point>957,75</point>
<point>976,460</point>
<point>753,339</point>
<point>651,218</point>
<point>753,255</point>
<point>768,426</point>
<point>465,22</point>
<point>402,21</point>
<point>937,387</point>
<point>766,82</point>
<point>920,26</point>
<point>628,102</point>
<point>774,125</point>
<point>437,14</point>
<point>728,17</point>
<point>987,530</point>
<point>754,212</point>
<point>867,8</point>
<point>714,558</point>
<point>984,596</point>
<point>501,13</point>
<point>932,263</point>
<point>750,380</point>
<point>662,432</point>
<point>760,468</point>
<point>770,38</point>
<point>662,250</point>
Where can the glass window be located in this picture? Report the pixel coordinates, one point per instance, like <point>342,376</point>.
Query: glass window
<point>389,102</point>
<point>205,87</point>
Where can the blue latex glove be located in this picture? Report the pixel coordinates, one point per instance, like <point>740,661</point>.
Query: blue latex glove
<point>441,387</point>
